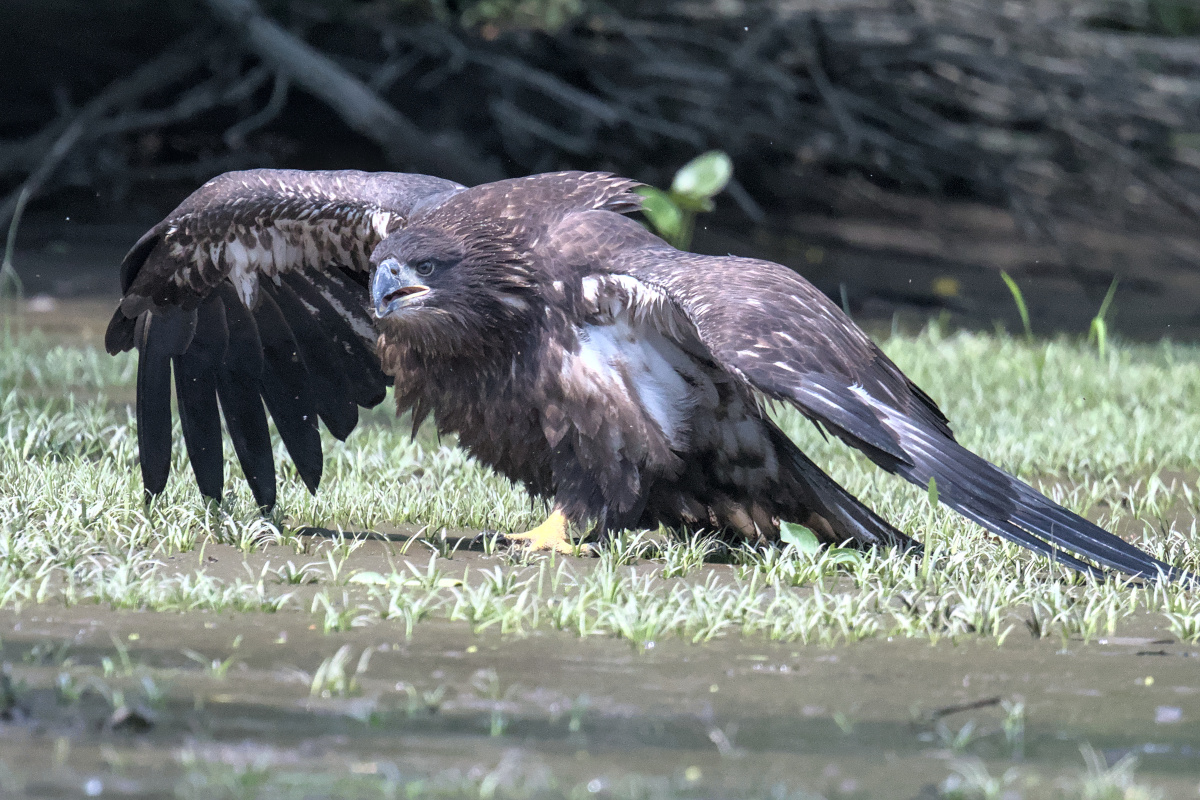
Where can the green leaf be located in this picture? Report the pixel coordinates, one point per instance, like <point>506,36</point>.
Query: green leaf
<point>1108,298</point>
<point>845,556</point>
<point>1019,299</point>
<point>704,176</point>
<point>1098,331</point>
<point>663,213</point>
<point>933,492</point>
<point>690,203</point>
<point>799,537</point>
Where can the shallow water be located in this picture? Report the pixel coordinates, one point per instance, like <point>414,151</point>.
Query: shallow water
<point>221,705</point>
<point>139,704</point>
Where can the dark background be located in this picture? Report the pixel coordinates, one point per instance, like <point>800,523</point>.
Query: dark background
<point>899,154</point>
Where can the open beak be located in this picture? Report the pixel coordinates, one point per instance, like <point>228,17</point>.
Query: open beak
<point>395,286</point>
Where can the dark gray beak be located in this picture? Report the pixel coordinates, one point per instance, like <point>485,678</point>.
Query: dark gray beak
<point>394,286</point>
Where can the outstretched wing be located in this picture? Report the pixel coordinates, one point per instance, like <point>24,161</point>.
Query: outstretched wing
<point>255,290</point>
<point>784,338</point>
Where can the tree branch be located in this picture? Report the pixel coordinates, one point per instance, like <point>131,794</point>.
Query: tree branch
<point>360,107</point>
<point>57,140</point>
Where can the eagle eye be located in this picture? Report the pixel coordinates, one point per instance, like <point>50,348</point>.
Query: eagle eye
<point>424,268</point>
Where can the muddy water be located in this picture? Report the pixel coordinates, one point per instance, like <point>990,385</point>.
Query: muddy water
<point>138,704</point>
<point>109,703</point>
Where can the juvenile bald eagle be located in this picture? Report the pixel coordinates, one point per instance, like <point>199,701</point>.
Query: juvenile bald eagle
<point>566,346</point>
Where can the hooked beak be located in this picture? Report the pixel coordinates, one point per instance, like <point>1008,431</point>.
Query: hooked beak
<point>394,286</point>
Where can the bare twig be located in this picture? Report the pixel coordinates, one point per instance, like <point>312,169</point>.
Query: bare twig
<point>354,101</point>
<point>209,95</point>
<point>10,281</point>
<point>156,74</point>
<point>235,135</point>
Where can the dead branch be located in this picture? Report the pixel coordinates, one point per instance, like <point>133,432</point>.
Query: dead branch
<point>1017,105</point>
<point>360,107</point>
<point>235,135</point>
<point>60,139</point>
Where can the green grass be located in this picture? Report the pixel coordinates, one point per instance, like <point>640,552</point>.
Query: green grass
<point>1114,437</point>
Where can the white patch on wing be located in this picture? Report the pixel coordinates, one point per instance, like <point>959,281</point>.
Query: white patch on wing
<point>634,360</point>
<point>609,296</point>
<point>364,330</point>
<point>380,221</point>
<point>313,237</point>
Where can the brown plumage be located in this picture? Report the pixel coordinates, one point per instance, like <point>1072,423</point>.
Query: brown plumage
<point>566,346</point>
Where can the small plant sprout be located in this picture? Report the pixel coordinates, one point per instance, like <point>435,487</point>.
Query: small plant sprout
<point>333,678</point>
<point>673,213</point>
<point>427,702</point>
<point>441,544</point>
<point>292,575</point>
<point>68,690</point>
<point>490,542</point>
<point>956,741</point>
<point>487,683</point>
<point>1019,299</point>
<point>1098,330</point>
<point>970,779</point>
<point>1101,781</point>
<point>681,558</point>
<point>1014,726</point>
<point>337,619</point>
<point>216,667</point>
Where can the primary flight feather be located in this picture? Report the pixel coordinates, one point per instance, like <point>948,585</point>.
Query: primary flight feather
<point>565,345</point>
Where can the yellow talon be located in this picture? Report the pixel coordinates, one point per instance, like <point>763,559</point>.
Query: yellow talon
<point>551,535</point>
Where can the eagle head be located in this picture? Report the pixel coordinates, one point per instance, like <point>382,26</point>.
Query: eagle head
<point>445,289</point>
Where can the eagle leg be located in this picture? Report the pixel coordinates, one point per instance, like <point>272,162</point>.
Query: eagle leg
<point>550,536</point>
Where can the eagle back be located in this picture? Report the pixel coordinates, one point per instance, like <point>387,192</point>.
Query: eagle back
<point>541,200</point>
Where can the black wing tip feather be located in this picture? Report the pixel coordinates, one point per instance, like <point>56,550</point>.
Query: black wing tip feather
<point>119,336</point>
<point>286,388</point>
<point>195,389</point>
<point>1011,508</point>
<point>135,259</point>
<point>153,299</point>
<point>247,360</point>
<point>238,379</point>
<point>330,387</point>
<point>158,338</point>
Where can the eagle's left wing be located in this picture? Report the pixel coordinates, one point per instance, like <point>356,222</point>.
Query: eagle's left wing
<point>255,290</point>
<point>765,324</point>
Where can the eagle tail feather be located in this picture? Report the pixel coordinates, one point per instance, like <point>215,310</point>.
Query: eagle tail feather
<point>849,517</point>
<point>989,496</point>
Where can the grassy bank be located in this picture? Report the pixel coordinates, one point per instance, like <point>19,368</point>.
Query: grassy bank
<point>1115,438</point>
<point>359,644</point>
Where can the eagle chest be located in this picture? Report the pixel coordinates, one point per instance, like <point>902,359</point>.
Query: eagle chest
<point>496,418</point>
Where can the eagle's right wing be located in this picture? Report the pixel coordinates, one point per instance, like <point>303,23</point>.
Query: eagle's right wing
<point>781,337</point>
<point>255,290</point>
